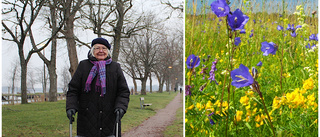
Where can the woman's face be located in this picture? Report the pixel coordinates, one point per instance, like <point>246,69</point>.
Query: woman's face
<point>100,51</point>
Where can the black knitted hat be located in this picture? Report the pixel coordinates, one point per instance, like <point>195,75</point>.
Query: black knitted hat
<point>101,41</point>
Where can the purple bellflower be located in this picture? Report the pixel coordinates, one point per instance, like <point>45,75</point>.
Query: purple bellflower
<point>193,61</point>
<point>220,8</point>
<point>310,47</point>
<point>259,64</point>
<point>188,90</point>
<point>237,20</point>
<point>237,41</point>
<point>251,35</point>
<point>298,26</point>
<point>293,34</point>
<point>211,121</point>
<point>241,77</point>
<point>242,31</point>
<point>279,28</point>
<point>291,27</point>
<point>213,69</point>
<point>313,37</point>
<point>268,48</point>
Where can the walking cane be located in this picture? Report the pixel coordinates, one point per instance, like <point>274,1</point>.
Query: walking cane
<point>117,123</point>
<point>70,127</point>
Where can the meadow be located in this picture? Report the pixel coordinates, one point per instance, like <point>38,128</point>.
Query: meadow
<point>251,73</point>
<point>49,118</point>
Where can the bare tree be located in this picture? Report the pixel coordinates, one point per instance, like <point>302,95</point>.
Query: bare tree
<point>32,80</point>
<point>174,7</point>
<point>142,55</point>
<point>20,16</point>
<point>66,77</point>
<point>69,9</point>
<point>170,66</point>
<point>13,77</point>
<point>112,18</point>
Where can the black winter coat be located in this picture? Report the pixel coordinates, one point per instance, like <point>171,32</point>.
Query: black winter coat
<point>96,117</point>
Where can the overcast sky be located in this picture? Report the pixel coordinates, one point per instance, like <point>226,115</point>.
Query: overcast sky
<point>10,53</point>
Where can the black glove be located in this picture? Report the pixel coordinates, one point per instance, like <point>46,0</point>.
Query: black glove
<point>121,112</point>
<point>71,113</point>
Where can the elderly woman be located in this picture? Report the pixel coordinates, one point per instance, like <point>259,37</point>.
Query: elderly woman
<point>97,90</point>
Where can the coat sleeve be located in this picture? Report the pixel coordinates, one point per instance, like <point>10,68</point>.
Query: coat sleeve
<point>74,89</point>
<point>123,93</point>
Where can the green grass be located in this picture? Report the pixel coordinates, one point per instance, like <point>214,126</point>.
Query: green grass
<point>49,118</point>
<point>176,129</point>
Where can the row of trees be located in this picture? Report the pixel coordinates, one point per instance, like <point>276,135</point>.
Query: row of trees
<point>62,18</point>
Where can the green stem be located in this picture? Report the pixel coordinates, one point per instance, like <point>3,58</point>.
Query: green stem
<point>266,111</point>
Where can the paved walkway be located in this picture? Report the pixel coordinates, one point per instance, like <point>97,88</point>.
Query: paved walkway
<point>155,125</point>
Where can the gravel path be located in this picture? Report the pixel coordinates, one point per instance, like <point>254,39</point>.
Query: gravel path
<point>155,125</point>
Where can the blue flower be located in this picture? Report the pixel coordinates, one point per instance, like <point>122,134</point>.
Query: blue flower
<point>213,69</point>
<point>192,61</point>
<point>279,28</point>
<point>291,27</point>
<point>293,34</point>
<point>211,121</point>
<point>313,37</point>
<point>237,41</point>
<point>259,64</point>
<point>241,77</point>
<point>268,48</point>
<point>188,90</point>
<point>242,31</point>
<point>298,26</point>
<point>310,47</point>
<point>237,20</point>
<point>251,35</point>
<point>220,8</point>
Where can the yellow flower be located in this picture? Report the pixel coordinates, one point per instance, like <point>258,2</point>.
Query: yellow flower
<point>257,118</point>
<point>198,106</point>
<point>257,125</point>
<point>276,103</point>
<point>225,104</point>
<point>238,115</point>
<point>190,107</point>
<point>311,97</point>
<point>308,84</point>
<point>249,93</point>
<point>248,107</point>
<point>244,100</point>
<point>186,120</point>
<point>247,118</point>
<point>209,106</point>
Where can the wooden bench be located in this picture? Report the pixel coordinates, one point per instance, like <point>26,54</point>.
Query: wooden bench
<point>142,104</point>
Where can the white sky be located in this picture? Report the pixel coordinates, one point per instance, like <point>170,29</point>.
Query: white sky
<point>10,53</point>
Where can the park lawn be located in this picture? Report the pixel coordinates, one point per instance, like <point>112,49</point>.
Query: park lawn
<point>49,118</point>
<point>176,129</point>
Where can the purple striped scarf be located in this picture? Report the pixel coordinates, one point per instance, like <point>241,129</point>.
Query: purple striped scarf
<point>100,69</point>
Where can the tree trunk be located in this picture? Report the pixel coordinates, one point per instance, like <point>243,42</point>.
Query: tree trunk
<point>143,86</point>
<point>23,82</point>
<point>117,30</point>
<point>53,83</point>
<point>135,86</point>
<point>161,87</point>
<point>150,84</point>
<point>167,85</point>
<point>71,43</point>
<point>12,89</point>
